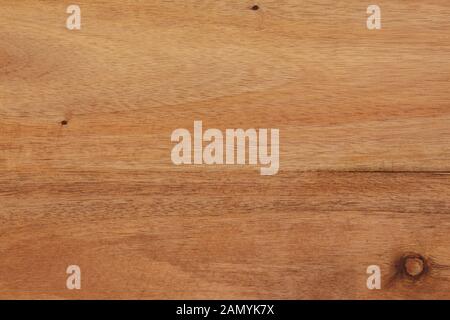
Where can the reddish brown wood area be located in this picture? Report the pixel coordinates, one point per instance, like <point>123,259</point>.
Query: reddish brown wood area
<point>86,176</point>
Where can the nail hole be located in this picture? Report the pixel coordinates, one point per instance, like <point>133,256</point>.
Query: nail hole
<point>255,7</point>
<point>64,122</point>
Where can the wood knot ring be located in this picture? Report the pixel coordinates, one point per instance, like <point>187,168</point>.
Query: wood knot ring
<point>414,265</point>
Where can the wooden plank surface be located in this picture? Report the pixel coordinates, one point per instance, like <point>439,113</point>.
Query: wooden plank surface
<point>364,120</point>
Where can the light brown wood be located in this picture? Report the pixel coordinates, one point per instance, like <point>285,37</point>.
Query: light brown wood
<point>364,119</point>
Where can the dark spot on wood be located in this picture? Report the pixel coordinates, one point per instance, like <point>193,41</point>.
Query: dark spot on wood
<point>413,266</point>
<point>255,7</point>
<point>64,122</point>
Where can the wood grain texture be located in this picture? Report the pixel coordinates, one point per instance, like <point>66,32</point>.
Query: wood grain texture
<point>364,119</point>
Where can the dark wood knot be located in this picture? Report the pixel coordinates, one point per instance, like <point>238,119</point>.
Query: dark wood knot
<point>414,265</point>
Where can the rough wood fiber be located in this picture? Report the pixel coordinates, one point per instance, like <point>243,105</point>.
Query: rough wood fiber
<point>364,119</point>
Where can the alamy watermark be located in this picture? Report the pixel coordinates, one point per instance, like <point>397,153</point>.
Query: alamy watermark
<point>374,20</point>
<point>374,280</point>
<point>221,148</point>
<point>73,22</point>
<point>74,279</point>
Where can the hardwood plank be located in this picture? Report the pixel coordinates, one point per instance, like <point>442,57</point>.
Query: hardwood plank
<point>200,235</point>
<point>347,97</point>
<point>364,121</point>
